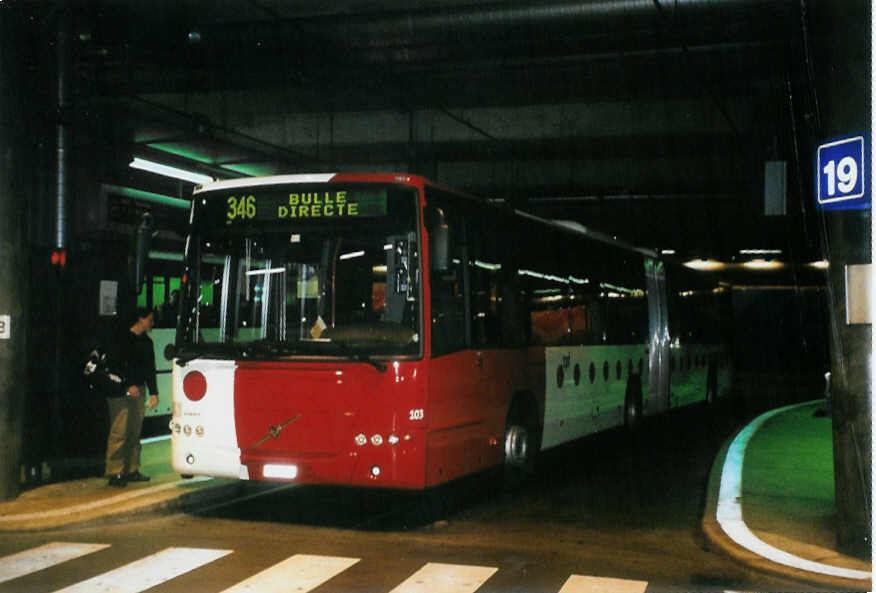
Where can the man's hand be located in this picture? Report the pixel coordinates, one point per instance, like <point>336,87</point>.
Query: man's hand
<point>153,401</point>
<point>133,391</point>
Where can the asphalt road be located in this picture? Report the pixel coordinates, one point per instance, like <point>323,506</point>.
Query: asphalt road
<point>612,513</point>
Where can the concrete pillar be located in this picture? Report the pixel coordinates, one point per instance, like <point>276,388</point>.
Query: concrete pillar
<point>841,52</point>
<point>851,392</point>
<point>13,250</point>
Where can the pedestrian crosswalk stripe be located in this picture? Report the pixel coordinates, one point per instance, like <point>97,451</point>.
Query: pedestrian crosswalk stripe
<point>148,572</point>
<point>582,584</point>
<point>446,578</point>
<point>36,559</point>
<point>298,574</point>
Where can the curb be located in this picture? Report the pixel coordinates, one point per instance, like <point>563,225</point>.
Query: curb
<point>180,495</point>
<point>716,536</point>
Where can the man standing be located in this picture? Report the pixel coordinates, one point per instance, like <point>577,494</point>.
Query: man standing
<point>136,361</point>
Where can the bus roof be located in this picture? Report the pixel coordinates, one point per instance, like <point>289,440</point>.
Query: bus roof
<point>404,178</point>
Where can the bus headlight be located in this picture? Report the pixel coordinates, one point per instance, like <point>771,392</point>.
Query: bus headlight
<point>376,440</point>
<point>361,439</point>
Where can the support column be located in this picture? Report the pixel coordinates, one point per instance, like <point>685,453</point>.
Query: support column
<point>841,51</point>
<point>851,395</point>
<point>13,249</point>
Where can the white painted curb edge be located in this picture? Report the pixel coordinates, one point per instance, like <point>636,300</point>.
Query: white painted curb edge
<point>729,511</point>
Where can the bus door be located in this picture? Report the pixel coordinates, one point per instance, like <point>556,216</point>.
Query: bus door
<point>455,412</point>
<point>497,360</point>
<point>658,338</point>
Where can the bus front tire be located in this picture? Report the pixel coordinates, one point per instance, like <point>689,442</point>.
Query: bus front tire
<point>520,447</point>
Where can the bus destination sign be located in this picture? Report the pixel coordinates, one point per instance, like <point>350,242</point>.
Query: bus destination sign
<point>304,205</point>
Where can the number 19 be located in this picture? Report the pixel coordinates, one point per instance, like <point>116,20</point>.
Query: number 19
<point>846,173</point>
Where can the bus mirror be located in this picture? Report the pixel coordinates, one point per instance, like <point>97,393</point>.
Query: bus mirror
<point>439,240</point>
<point>137,263</point>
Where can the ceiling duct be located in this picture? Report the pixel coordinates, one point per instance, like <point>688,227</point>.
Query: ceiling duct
<point>602,24</point>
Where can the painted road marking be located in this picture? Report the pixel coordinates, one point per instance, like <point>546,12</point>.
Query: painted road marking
<point>298,574</point>
<point>36,559</point>
<point>148,572</point>
<point>446,578</point>
<point>584,584</point>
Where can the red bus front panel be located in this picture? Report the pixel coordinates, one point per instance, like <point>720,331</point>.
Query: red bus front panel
<point>334,423</point>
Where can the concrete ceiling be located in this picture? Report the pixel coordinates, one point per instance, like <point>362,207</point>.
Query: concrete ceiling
<point>650,118</point>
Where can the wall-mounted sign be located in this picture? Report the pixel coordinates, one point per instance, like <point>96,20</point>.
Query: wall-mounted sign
<point>842,173</point>
<point>5,327</point>
<point>109,298</point>
<point>859,293</point>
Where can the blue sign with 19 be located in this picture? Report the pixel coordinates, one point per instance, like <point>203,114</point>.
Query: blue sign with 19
<point>842,172</point>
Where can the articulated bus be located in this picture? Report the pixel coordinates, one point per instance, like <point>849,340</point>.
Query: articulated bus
<point>385,331</point>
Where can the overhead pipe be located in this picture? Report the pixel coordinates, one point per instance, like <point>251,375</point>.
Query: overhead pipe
<point>447,25</point>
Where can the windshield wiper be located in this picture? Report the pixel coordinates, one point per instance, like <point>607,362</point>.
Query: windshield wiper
<point>267,348</point>
<point>358,356</point>
<point>187,352</point>
<point>262,348</point>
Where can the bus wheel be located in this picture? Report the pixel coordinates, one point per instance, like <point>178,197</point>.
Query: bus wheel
<point>633,404</point>
<point>520,448</point>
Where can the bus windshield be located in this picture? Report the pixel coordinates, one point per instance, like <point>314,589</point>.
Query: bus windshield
<point>265,280</point>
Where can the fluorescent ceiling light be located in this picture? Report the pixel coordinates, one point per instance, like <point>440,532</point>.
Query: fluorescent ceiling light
<point>820,265</point>
<point>266,272</point>
<point>760,251</point>
<point>351,255</point>
<point>487,266</point>
<point>763,264</point>
<point>148,196</point>
<point>707,265</point>
<point>667,251</point>
<point>169,171</point>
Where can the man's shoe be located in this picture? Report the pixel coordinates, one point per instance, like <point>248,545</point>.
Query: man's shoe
<point>118,481</point>
<point>136,477</point>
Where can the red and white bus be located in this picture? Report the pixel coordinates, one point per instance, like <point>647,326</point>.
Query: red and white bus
<point>385,331</point>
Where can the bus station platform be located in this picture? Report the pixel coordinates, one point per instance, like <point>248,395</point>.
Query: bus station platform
<point>92,501</point>
<point>770,499</point>
<point>771,503</point>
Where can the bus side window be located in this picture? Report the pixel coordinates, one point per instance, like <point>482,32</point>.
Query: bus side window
<point>485,272</point>
<point>546,287</point>
<point>447,288</point>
